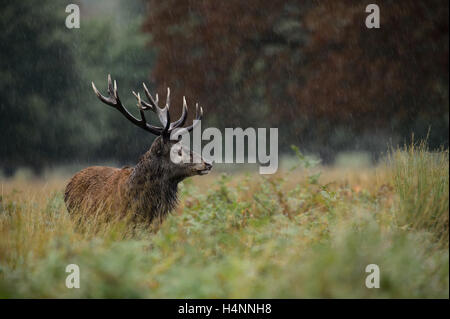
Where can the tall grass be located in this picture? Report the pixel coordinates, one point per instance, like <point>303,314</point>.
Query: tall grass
<point>420,178</point>
<point>297,234</point>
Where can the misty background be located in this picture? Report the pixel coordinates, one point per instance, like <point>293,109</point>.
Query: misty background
<point>310,68</point>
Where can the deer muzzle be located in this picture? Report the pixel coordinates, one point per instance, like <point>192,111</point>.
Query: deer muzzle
<point>206,169</point>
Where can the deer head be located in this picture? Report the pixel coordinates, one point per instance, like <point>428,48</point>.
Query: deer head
<point>166,156</point>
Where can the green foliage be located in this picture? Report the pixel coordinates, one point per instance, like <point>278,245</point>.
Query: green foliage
<point>303,160</point>
<point>242,237</point>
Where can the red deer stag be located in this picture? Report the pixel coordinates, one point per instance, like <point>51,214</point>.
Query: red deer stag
<point>148,189</point>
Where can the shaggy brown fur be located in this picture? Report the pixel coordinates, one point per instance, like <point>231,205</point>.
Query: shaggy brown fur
<point>97,186</point>
<point>148,189</point>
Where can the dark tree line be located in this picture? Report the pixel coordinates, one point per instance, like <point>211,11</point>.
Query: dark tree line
<point>311,68</point>
<point>48,112</point>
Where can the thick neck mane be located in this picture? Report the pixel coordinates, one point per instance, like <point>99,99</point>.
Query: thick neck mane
<point>152,193</point>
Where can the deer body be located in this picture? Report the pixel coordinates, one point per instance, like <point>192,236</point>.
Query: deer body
<point>148,189</point>
<point>96,187</point>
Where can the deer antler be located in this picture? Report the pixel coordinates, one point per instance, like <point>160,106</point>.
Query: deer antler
<point>114,101</point>
<point>163,113</point>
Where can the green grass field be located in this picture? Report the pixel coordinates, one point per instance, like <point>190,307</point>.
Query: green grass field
<point>303,233</point>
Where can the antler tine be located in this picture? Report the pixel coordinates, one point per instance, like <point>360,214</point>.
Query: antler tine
<point>198,117</point>
<point>114,101</point>
<point>142,104</point>
<point>116,95</point>
<point>164,117</point>
<point>163,113</point>
<point>141,109</point>
<point>183,117</point>
<point>168,98</point>
<point>153,103</point>
<point>110,87</point>
<point>102,98</point>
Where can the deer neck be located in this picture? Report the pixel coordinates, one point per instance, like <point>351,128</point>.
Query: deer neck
<point>153,193</point>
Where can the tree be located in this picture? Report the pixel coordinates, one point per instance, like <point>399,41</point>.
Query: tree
<point>48,112</point>
<point>310,68</point>
<point>36,85</point>
<point>116,47</point>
